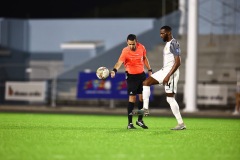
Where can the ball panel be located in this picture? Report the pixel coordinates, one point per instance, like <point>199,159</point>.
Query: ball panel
<point>102,72</point>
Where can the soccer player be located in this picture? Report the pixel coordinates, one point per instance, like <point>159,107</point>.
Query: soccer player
<point>134,59</point>
<point>168,76</point>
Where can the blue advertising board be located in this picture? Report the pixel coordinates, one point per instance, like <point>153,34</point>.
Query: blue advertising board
<point>89,86</point>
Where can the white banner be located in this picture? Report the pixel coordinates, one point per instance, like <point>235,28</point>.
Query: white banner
<point>26,91</point>
<point>212,94</point>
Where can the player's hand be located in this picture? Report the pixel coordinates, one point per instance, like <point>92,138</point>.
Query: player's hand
<point>166,79</point>
<point>112,74</point>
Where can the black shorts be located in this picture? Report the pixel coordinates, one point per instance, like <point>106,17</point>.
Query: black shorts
<point>134,83</point>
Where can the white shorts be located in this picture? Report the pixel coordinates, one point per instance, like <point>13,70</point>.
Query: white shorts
<point>172,83</point>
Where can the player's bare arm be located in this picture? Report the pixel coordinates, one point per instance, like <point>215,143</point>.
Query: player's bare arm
<point>116,67</point>
<point>174,68</point>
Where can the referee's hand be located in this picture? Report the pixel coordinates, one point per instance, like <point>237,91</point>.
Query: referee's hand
<point>112,74</point>
<point>150,73</point>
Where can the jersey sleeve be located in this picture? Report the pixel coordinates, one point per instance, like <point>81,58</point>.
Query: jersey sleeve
<point>175,48</point>
<point>122,56</point>
<point>143,49</point>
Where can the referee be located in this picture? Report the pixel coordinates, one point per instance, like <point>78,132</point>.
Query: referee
<point>134,58</point>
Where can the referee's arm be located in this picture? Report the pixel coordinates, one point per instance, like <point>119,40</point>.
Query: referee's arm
<point>147,64</point>
<point>115,68</point>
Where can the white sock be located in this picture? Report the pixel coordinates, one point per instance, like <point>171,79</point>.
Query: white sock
<point>175,109</point>
<point>146,95</point>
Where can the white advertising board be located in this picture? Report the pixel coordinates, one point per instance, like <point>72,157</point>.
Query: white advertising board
<point>212,94</point>
<point>26,91</point>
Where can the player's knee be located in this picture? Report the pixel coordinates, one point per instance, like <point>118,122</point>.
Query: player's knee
<point>146,83</point>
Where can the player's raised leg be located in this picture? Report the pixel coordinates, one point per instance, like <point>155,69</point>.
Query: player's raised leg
<point>146,95</point>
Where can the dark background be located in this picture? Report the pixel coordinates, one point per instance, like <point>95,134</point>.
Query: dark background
<point>86,8</point>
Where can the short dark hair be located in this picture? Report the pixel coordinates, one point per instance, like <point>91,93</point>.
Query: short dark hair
<point>131,37</point>
<point>167,28</point>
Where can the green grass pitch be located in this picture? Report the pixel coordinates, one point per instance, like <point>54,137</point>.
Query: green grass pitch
<point>26,136</point>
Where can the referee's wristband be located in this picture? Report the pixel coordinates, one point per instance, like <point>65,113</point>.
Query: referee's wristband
<point>150,70</point>
<point>115,70</point>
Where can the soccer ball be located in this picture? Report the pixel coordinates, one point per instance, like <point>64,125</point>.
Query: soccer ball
<point>102,72</point>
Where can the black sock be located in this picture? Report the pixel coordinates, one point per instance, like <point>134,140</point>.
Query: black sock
<point>130,109</point>
<point>140,106</point>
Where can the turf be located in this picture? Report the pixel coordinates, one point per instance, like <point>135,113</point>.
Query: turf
<point>25,136</point>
